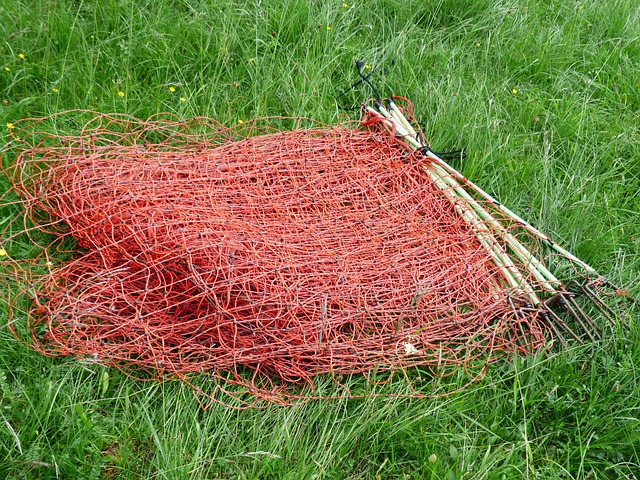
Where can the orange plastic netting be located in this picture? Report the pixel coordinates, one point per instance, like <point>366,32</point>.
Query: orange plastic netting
<point>263,260</point>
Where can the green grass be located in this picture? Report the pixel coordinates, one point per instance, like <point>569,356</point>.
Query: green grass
<point>544,94</point>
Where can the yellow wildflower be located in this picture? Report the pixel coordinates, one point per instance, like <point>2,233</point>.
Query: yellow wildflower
<point>328,27</point>
<point>514,90</point>
<point>3,252</point>
<point>10,126</point>
<point>345,5</point>
<point>182,99</point>
<point>240,122</point>
<point>55,90</point>
<point>120,93</point>
<point>172,89</point>
<point>7,69</point>
<point>21,55</point>
<point>478,44</point>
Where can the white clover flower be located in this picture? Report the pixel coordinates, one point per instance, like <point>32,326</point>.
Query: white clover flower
<point>410,349</point>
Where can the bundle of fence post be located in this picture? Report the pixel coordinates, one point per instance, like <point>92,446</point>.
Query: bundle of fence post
<point>269,261</point>
<point>535,287</point>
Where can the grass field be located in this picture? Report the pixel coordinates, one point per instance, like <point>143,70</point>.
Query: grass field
<point>544,94</point>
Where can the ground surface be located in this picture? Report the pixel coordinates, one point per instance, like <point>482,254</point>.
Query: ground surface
<point>544,94</point>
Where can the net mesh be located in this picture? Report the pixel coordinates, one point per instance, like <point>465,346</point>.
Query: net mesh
<point>263,259</point>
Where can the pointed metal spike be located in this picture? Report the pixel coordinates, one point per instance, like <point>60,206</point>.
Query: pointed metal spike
<point>569,308</point>
<point>563,325</point>
<point>519,314</point>
<point>625,295</point>
<point>598,303</point>
<point>544,314</point>
<point>585,317</point>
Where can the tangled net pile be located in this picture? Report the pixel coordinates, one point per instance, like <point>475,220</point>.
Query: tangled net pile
<point>263,259</point>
